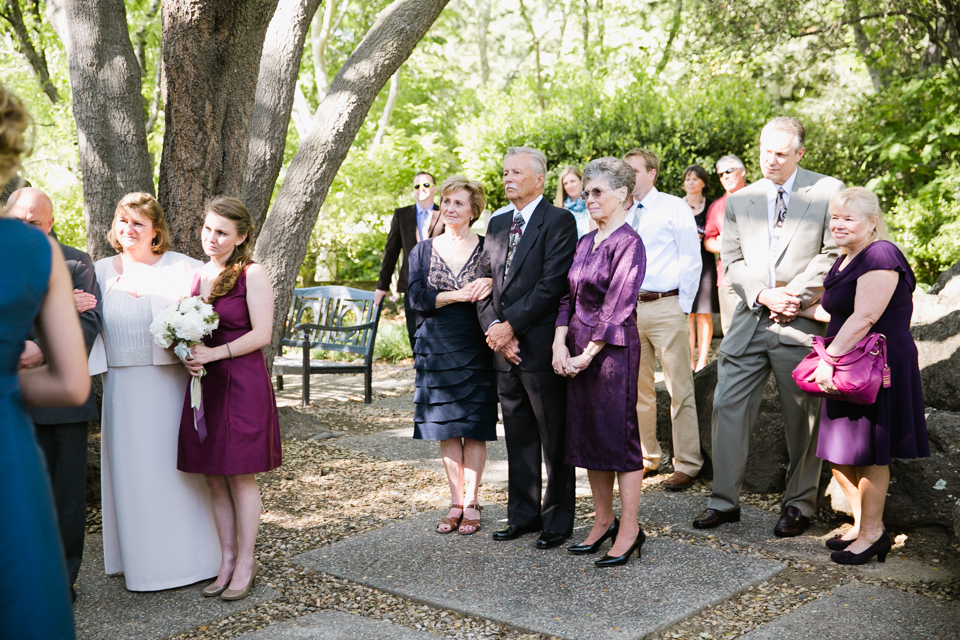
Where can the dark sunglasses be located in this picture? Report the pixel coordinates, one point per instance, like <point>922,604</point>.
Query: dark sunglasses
<point>596,192</point>
<point>728,171</point>
<point>424,184</point>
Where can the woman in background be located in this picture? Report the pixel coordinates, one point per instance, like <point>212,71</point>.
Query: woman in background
<point>241,435</point>
<point>456,396</point>
<point>570,198</point>
<point>706,302</point>
<point>158,527</point>
<point>36,291</point>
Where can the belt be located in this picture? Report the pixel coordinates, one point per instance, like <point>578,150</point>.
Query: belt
<point>650,297</point>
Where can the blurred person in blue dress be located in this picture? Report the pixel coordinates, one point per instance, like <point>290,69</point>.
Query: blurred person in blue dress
<point>456,395</point>
<point>36,295</point>
<point>568,197</point>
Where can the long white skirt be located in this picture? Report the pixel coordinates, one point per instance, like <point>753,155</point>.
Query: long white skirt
<point>158,527</point>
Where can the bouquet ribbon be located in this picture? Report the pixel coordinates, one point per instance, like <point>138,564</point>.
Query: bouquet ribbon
<point>196,402</point>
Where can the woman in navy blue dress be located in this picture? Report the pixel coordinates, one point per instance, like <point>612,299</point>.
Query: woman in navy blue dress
<point>868,290</point>
<point>456,396</point>
<point>35,291</point>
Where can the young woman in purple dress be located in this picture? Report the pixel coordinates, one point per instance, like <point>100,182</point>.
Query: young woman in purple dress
<point>242,425</point>
<point>868,290</point>
<point>597,321</point>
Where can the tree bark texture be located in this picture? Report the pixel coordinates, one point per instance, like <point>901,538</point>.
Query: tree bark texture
<point>211,59</point>
<point>107,107</point>
<point>282,244</point>
<point>276,85</point>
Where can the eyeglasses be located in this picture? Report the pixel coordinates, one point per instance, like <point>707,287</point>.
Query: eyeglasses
<point>596,192</point>
<point>728,171</point>
<point>425,185</point>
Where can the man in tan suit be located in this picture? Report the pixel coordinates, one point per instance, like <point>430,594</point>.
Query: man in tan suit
<point>776,249</point>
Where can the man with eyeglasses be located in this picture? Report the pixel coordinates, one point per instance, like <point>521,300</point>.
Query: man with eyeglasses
<point>410,225</point>
<point>732,175</point>
<point>669,233</point>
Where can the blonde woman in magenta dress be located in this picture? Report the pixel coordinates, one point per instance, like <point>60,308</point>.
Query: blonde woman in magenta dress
<point>158,527</point>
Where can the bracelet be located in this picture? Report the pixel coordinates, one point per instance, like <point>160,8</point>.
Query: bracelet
<point>228,350</point>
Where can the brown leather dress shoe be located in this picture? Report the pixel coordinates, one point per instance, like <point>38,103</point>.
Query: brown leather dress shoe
<point>678,481</point>
<point>792,523</point>
<point>714,518</point>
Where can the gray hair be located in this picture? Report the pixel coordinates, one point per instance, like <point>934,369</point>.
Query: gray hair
<point>616,172</point>
<point>732,160</point>
<point>863,201</point>
<point>537,158</point>
<point>786,124</point>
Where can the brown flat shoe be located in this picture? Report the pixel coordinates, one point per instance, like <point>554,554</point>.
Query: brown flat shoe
<point>714,518</point>
<point>467,522</point>
<point>450,521</point>
<point>678,481</point>
<point>792,523</point>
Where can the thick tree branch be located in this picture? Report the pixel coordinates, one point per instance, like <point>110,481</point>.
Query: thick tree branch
<point>34,56</point>
<point>674,30</point>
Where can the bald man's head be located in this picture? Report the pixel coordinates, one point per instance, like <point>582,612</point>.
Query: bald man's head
<point>33,207</point>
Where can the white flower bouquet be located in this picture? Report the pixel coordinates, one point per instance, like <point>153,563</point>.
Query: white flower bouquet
<point>184,324</point>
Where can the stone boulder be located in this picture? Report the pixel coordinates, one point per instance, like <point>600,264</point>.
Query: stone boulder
<point>768,459</point>
<point>936,329</point>
<point>948,284</point>
<point>924,491</point>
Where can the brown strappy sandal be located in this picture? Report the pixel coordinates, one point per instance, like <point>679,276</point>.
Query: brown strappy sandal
<point>467,522</point>
<point>452,522</point>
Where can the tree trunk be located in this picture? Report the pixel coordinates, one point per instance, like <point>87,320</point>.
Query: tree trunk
<point>483,12</point>
<point>536,50</point>
<point>863,44</point>
<point>277,82</point>
<point>108,109</point>
<point>674,30</point>
<point>586,33</point>
<point>35,57</point>
<point>323,26</point>
<point>282,245</point>
<point>211,57</point>
<point>387,111</point>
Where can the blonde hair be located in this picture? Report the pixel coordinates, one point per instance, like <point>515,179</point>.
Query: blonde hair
<point>561,193</point>
<point>864,202</point>
<point>14,122</point>
<point>650,160</point>
<point>478,199</point>
<point>145,205</point>
<point>242,256</point>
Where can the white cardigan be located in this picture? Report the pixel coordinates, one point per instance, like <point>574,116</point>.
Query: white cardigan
<point>170,279</point>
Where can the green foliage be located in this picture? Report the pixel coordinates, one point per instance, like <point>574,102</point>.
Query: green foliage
<point>392,344</point>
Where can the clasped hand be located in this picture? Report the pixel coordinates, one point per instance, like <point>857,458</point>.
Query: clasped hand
<point>566,366</point>
<point>784,305</point>
<point>200,355</point>
<point>823,376</point>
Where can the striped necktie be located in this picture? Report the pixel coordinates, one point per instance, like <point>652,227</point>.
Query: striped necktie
<point>780,211</point>
<point>515,232</point>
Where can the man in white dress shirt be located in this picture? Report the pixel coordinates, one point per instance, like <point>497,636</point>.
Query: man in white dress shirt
<point>669,233</point>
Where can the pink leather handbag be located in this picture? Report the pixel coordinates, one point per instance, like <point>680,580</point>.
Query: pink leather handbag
<point>857,374</point>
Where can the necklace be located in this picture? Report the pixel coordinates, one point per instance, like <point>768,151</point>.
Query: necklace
<point>698,204</point>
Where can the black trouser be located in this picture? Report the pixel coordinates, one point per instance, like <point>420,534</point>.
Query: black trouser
<point>65,449</point>
<point>535,422</point>
<point>411,320</point>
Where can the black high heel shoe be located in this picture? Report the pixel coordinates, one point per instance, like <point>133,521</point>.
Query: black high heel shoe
<point>585,549</point>
<point>837,543</point>
<point>610,561</point>
<point>880,548</point>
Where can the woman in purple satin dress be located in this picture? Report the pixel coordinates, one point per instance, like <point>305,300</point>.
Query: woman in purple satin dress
<point>868,290</point>
<point>242,426</point>
<point>597,346</point>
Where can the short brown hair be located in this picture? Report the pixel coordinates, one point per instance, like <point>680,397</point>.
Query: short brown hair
<point>478,199</point>
<point>142,204</point>
<point>650,160</point>
<point>698,171</point>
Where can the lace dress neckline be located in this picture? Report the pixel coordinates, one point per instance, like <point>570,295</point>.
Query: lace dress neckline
<point>442,277</point>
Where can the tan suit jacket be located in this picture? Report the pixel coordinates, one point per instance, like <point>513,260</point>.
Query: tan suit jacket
<point>804,256</point>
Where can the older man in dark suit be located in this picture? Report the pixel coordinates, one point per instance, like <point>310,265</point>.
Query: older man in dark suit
<point>409,226</point>
<point>776,250</point>
<point>62,433</point>
<point>528,253</point>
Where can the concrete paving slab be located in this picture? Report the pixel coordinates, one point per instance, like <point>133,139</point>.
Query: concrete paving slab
<point>105,609</point>
<point>550,592</point>
<point>335,625</point>
<point>859,611</point>
<point>398,444</point>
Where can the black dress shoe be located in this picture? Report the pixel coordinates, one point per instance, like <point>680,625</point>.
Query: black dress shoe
<point>512,532</point>
<point>837,543</point>
<point>585,549</point>
<point>880,548</point>
<point>714,518</point>
<point>792,523</point>
<point>612,561</point>
<point>551,539</point>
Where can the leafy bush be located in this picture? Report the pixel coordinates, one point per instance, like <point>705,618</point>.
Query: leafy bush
<point>392,342</point>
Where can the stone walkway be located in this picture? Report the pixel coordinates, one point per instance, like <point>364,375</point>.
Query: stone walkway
<point>685,580</point>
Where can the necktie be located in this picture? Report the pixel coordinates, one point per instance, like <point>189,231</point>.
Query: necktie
<point>780,211</point>
<point>515,232</point>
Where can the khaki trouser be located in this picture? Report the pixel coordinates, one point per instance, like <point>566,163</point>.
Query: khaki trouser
<point>728,302</point>
<point>663,329</point>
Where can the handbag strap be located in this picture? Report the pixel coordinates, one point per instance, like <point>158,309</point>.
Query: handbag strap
<point>861,349</point>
